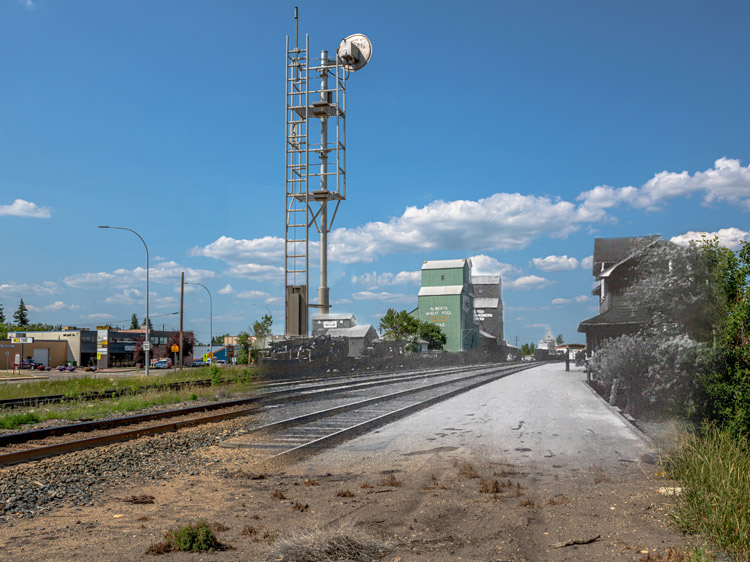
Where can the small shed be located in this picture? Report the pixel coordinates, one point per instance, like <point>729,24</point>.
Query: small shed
<point>359,337</point>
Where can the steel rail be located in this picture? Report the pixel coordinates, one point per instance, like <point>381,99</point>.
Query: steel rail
<point>313,446</point>
<point>270,397</point>
<point>61,448</point>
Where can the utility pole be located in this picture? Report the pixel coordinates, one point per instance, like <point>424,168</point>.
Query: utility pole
<point>182,298</point>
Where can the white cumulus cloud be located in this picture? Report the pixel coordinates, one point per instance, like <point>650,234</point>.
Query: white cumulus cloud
<point>374,280</point>
<point>22,289</point>
<point>587,262</point>
<point>731,238</point>
<point>384,296</point>
<point>561,301</point>
<point>728,181</point>
<point>252,294</point>
<point>486,265</point>
<point>27,209</point>
<point>555,263</point>
<point>55,306</point>
<point>270,273</point>
<point>164,272</point>
<point>269,249</point>
<point>226,290</point>
<point>528,282</point>
<point>582,298</point>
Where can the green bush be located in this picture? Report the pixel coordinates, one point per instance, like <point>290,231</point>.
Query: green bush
<point>215,373</point>
<point>196,537</point>
<point>714,472</point>
<point>654,372</point>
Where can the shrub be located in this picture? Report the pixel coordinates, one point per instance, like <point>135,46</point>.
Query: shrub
<point>196,537</point>
<point>653,372</point>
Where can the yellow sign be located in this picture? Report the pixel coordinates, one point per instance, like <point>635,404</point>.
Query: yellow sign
<point>175,348</point>
<point>211,354</point>
<point>205,356</point>
<point>98,356</point>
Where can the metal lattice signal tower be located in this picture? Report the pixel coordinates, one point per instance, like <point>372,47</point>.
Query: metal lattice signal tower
<point>315,168</point>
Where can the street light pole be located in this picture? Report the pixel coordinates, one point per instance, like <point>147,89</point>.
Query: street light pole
<point>210,317</point>
<point>148,339</point>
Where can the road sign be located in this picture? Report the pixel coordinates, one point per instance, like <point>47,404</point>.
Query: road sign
<point>175,348</point>
<point>22,340</point>
<point>211,354</point>
<point>98,356</point>
<point>146,346</point>
<point>205,356</point>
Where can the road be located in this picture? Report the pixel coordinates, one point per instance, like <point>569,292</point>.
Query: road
<point>545,417</point>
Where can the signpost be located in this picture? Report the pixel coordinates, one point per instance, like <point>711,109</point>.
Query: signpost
<point>174,349</point>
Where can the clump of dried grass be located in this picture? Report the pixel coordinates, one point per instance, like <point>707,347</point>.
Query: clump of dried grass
<point>345,494</point>
<point>466,471</point>
<point>278,495</point>
<point>390,480</point>
<point>311,482</point>
<point>489,486</point>
<point>346,542</point>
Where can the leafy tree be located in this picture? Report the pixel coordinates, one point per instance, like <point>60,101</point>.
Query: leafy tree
<point>262,329</point>
<point>21,315</point>
<point>2,315</point>
<point>243,341</point>
<point>139,356</point>
<point>432,334</point>
<point>398,325</point>
<point>134,322</point>
<point>559,339</point>
<point>528,349</point>
<point>188,342</point>
<point>150,325</point>
<point>728,381</point>
<point>219,340</point>
<point>674,287</point>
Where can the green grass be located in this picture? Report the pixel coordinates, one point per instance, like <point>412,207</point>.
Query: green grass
<point>240,383</point>
<point>14,421</point>
<point>714,472</point>
<point>85,383</point>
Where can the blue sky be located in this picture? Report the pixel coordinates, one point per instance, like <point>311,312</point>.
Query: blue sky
<point>512,133</point>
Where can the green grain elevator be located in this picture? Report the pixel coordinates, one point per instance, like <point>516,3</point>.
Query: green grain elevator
<point>446,299</point>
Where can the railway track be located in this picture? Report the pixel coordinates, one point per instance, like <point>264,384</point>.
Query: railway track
<point>32,445</point>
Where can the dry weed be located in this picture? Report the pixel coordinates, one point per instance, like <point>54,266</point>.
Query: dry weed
<point>346,542</point>
<point>389,480</point>
<point>300,506</point>
<point>278,495</point>
<point>527,503</point>
<point>467,471</point>
<point>311,482</point>
<point>489,486</point>
<point>345,494</point>
<point>366,485</point>
<point>557,500</point>
<point>218,527</point>
<point>670,555</point>
<point>249,531</point>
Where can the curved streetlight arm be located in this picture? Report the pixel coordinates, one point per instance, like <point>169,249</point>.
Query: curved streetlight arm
<point>210,316</point>
<point>148,339</point>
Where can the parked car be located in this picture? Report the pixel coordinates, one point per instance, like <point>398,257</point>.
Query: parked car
<point>28,364</point>
<point>199,363</point>
<point>163,364</point>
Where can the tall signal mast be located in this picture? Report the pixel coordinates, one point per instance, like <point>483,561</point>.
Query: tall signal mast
<point>315,166</point>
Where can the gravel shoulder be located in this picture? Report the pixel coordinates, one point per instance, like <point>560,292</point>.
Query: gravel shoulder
<point>452,482</point>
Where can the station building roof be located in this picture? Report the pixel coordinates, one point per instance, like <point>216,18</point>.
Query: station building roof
<point>445,264</point>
